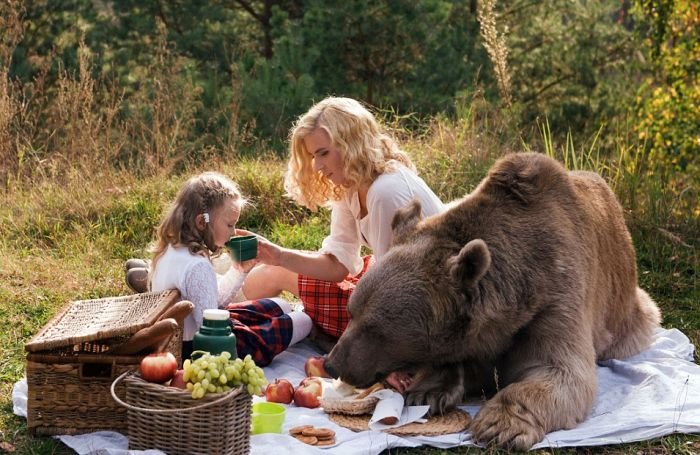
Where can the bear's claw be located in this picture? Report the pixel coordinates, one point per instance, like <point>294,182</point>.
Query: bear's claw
<point>440,402</point>
<point>496,424</point>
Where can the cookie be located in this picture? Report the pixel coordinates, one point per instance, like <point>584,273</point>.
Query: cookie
<point>320,433</point>
<point>325,442</point>
<point>310,440</point>
<point>299,429</point>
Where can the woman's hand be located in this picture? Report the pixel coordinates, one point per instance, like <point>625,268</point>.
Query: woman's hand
<point>322,266</point>
<point>268,253</point>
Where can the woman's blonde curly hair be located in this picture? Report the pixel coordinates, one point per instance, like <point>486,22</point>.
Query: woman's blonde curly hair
<point>366,150</point>
<point>200,194</point>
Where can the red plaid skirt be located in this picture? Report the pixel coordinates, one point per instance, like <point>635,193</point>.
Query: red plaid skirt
<point>326,302</point>
<point>262,329</point>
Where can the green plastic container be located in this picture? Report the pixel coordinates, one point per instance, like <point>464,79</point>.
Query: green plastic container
<point>267,418</point>
<point>215,336</point>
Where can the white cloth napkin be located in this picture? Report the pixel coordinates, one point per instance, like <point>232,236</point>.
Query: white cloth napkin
<point>20,392</point>
<point>391,404</point>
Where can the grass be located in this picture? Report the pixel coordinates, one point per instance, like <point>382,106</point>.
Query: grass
<point>65,239</point>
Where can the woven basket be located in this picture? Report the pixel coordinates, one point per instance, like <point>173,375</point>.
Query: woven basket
<point>95,326</point>
<point>70,368</point>
<point>168,419</point>
<point>349,406</point>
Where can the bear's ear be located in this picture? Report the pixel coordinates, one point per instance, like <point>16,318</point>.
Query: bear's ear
<point>522,175</point>
<point>405,221</point>
<point>471,264</point>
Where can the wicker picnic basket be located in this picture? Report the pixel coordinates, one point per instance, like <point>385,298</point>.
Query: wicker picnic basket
<point>70,366</point>
<point>168,419</point>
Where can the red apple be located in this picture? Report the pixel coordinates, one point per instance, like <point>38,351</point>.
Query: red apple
<point>177,380</point>
<point>280,391</point>
<point>158,367</point>
<point>315,366</point>
<point>308,379</point>
<point>308,392</point>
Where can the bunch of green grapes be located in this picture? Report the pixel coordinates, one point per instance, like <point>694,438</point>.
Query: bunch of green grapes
<point>219,373</point>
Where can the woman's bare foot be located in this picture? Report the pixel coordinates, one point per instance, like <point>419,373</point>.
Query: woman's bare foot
<point>399,380</point>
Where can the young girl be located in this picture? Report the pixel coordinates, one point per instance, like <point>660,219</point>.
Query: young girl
<point>199,222</point>
<point>339,157</point>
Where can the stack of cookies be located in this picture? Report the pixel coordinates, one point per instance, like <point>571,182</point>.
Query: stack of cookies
<point>313,436</point>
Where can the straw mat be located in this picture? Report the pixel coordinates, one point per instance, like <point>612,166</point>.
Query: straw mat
<point>452,422</point>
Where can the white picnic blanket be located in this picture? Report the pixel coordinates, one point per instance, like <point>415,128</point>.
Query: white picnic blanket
<point>646,396</point>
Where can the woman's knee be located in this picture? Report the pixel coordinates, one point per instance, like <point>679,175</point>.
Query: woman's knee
<point>269,281</point>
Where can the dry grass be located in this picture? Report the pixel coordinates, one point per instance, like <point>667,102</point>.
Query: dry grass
<point>49,128</point>
<point>495,44</point>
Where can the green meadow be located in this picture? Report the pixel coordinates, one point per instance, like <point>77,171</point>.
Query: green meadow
<point>67,238</point>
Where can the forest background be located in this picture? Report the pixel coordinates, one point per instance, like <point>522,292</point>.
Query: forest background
<point>107,106</point>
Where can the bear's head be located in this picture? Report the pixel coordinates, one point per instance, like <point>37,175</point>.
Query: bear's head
<point>419,304</point>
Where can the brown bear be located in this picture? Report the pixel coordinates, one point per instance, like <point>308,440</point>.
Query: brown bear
<point>515,290</point>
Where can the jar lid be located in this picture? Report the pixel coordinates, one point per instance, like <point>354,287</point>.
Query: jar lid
<point>216,315</point>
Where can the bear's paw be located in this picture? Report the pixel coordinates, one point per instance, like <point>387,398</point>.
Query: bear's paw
<point>509,426</point>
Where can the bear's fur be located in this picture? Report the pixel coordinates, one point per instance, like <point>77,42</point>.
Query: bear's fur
<point>517,289</point>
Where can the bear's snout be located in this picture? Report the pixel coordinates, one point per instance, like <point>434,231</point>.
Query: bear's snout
<point>331,370</point>
<point>349,368</point>
<point>333,363</point>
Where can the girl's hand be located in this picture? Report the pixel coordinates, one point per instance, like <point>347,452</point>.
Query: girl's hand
<point>245,266</point>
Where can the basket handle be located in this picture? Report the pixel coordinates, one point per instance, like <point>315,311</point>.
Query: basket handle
<point>164,411</point>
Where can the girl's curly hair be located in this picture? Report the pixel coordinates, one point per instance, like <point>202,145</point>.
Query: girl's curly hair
<point>200,194</point>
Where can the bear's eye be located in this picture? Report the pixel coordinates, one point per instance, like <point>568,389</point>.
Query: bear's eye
<point>377,336</point>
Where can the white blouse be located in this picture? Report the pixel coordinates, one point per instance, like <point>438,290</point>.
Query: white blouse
<point>389,192</point>
<point>195,278</point>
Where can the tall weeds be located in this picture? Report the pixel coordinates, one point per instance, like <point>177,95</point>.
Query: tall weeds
<point>664,206</point>
<point>10,106</point>
<point>78,124</point>
<point>454,154</point>
<point>495,45</point>
<point>75,122</point>
<point>162,113</point>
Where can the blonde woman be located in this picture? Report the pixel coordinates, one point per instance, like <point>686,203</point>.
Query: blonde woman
<point>340,157</point>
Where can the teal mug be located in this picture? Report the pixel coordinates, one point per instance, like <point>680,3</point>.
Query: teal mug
<point>243,247</point>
